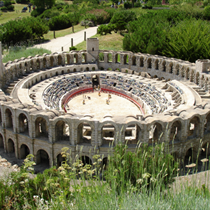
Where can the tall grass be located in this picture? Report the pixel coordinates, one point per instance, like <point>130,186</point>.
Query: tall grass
<point>77,186</point>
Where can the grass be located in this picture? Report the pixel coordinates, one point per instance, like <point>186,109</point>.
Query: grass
<point>7,16</point>
<point>106,42</point>
<point>17,53</point>
<point>64,32</point>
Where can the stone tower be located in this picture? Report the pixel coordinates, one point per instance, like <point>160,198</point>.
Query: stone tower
<point>92,50</point>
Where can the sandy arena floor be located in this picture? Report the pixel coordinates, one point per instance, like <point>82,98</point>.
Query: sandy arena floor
<point>97,106</point>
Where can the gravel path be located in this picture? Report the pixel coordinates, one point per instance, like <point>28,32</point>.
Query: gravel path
<point>55,45</point>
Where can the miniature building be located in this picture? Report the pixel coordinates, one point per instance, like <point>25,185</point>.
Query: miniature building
<point>170,98</point>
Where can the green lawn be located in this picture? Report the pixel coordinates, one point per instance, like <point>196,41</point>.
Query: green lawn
<point>7,16</point>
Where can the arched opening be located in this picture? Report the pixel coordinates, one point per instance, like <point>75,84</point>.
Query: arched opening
<point>132,134</point>
<point>134,60</point>
<point>75,58</point>
<point>38,64</point>
<point>61,131</point>
<point>149,63</point>
<point>108,134</point>
<point>207,124</point>
<point>23,124</point>
<point>101,57</point>
<point>177,70</point>
<point>59,160</point>
<point>156,65</point>
<point>67,59</point>
<point>105,163</point>
<point>41,128</point>
<point>155,133</point>
<point>84,133</point>
<point>44,63</point>
<point>190,156</point>
<point>24,151</point>
<point>125,59</point>
<point>175,132</point>
<point>51,61</point>
<point>42,158</point>
<point>11,146</point>
<point>171,68</point>
<point>60,60</point>
<point>8,115</point>
<point>117,58</point>
<point>84,58</point>
<point>1,141</point>
<point>197,78</point>
<point>182,72</point>
<point>86,160</point>
<point>194,126</point>
<point>164,66</point>
<point>187,74</point>
<point>192,76</point>
<point>109,58</point>
<point>141,62</point>
<point>0,118</point>
<point>95,81</point>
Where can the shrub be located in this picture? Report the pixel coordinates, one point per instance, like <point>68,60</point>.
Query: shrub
<point>105,29</point>
<point>127,5</point>
<point>10,8</point>
<point>121,19</point>
<point>72,48</point>
<point>206,13</point>
<point>3,8</point>
<point>59,22</point>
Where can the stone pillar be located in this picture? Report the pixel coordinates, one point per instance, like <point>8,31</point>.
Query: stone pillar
<point>2,68</point>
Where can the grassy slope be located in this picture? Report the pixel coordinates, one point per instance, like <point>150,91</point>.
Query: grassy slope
<point>108,42</point>
<point>6,16</point>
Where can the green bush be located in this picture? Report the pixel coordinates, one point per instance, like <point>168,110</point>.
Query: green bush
<point>105,29</point>
<point>127,5</point>
<point>22,1</point>
<point>3,8</point>
<point>10,8</point>
<point>206,12</point>
<point>60,22</point>
<point>49,13</point>
<point>121,19</point>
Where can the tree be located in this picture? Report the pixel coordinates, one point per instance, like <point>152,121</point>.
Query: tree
<point>43,4</point>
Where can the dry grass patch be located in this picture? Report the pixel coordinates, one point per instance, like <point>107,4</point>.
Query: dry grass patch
<point>112,41</point>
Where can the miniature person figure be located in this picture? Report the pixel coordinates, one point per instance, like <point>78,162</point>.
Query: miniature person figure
<point>83,102</point>
<point>99,93</point>
<point>109,95</point>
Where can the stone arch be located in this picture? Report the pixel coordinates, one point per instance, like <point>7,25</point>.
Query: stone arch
<point>192,76</point>
<point>8,115</point>
<point>141,61</point>
<point>44,63</point>
<point>62,131</point>
<point>60,60</point>
<point>205,150</point>
<point>42,158</point>
<point>175,131</point>
<point>156,64</point>
<point>155,133</point>
<point>38,64</point>
<point>191,155</point>
<point>11,146</point>
<point>202,81</point>
<point>84,58</point>
<point>51,61</point>
<point>76,58</point>
<point>134,60</point>
<point>24,151</point>
<point>86,160</point>
<point>109,57</point>
<point>197,78</point>
<point>117,58</point>
<point>194,127</point>
<point>1,141</point>
<point>182,72</point>
<point>108,134</point>
<point>84,133</point>
<point>125,59</point>
<point>187,75</point>
<point>41,127</point>
<point>133,133</point>
<point>23,124</point>
<point>170,68</point>
<point>67,59</point>
<point>177,69</point>
<point>149,63</point>
<point>59,160</point>
<point>164,66</point>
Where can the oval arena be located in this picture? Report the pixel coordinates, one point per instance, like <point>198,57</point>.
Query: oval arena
<point>92,100</point>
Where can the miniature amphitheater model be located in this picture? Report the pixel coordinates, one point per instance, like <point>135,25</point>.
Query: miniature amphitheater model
<point>91,100</point>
